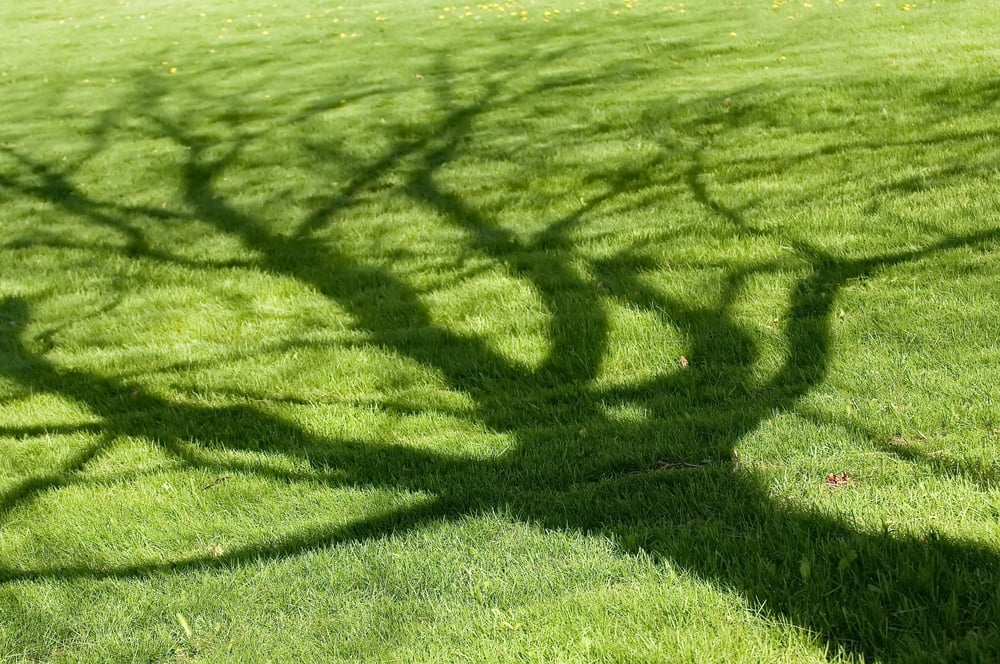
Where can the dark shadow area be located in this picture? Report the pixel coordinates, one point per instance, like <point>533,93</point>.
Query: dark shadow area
<point>665,485</point>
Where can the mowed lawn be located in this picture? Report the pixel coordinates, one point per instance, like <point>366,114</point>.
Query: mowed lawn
<point>579,331</point>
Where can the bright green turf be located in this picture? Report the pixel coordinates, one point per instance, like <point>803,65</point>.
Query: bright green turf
<point>356,332</point>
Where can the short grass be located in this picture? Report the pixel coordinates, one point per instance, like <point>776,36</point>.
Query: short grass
<point>533,331</point>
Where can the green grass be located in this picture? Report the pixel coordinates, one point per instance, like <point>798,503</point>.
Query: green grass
<point>404,332</point>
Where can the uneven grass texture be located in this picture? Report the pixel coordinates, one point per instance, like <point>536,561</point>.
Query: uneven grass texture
<point>537,331</point>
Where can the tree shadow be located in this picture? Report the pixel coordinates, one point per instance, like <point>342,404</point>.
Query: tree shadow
<point>665,484</point>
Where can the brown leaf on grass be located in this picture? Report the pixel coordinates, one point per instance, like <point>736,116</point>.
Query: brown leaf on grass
<point>684,362</point>
<point>838,480</point>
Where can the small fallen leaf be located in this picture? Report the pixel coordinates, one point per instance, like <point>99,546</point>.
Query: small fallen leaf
<point>684,362</point>
<point>837,481</point>
<point>214,549</point>
<point>184,624</point>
